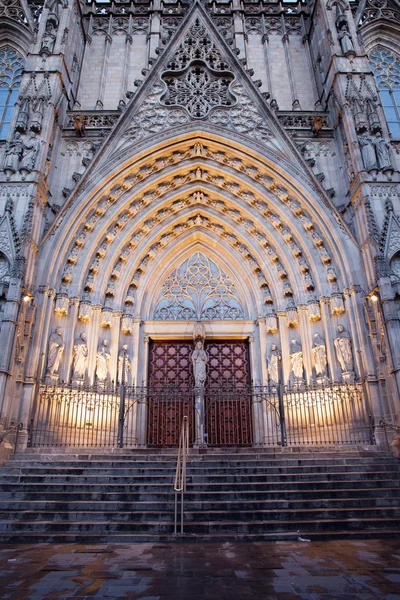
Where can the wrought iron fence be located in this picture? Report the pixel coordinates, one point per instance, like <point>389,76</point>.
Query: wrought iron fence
<point>83,416</point>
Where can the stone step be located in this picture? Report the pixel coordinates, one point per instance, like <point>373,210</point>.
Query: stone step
<point>195,468</point>
<point>200,527</point>
<point>282,504</point>
<point>199,516</point>
<point>204,478</point>
<point>202,496</point>
<point>28,537</point>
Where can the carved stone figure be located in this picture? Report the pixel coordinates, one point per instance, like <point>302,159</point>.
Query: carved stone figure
<point>319,352</point>
<point>55,351</point>
<point>23,116</point>
<point>80,356</point>
<point>372,116</point>
<point>37,115</point>
<point>124,365</point>
<point>273,363</point>
<point>31,150</point>
<point>367,152</point>
<point>296,359</point>
<point>345,40</point>
<point>102,361</point>
<point>13,153</point>
<point>49,38</point>
<point>383,153</point>
<point>344,350</point>
<point>199,361</point>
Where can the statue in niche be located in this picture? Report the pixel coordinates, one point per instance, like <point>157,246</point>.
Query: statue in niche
<point>55,352</point>
<point>199,361</point>
<point>273,364</point>
<point>296,360</point>
<point>344,350</point>
<point>13,153</point>
<point>80,356</point>
<point>49,38</point>
<point>31,150</point>
<point>23,116</point>
<point>367,152</point>
<point>102,362</point>
<point>319,352</point>
<point>37,115</point>
<point>124,365</point>
<point>383,153</point>
<point>372,116</point>
<point>344,37</point>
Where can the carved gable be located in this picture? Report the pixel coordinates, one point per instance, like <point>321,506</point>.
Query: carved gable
<point>197,80</point>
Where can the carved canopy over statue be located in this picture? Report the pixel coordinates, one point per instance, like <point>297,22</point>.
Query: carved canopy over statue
<point>199,361</point>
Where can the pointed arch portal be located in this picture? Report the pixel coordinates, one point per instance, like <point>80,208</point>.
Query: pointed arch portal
<point>199,207</point>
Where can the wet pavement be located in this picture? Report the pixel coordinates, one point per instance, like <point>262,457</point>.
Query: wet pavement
<point>362,570</point>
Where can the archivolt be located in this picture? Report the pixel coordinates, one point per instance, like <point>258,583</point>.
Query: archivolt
<point>246,190</point>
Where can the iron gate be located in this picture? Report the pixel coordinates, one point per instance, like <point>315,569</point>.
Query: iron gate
<point>241,415</point>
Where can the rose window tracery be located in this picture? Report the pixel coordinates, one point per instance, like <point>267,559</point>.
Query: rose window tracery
<point>198,90</point>
<point>198,290</point>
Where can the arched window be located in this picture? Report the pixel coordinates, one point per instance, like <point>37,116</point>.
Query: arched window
<point>11,67</point>
<point>386,68</point>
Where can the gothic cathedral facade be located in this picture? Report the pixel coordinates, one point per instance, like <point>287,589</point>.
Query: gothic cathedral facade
<point>224,171</point>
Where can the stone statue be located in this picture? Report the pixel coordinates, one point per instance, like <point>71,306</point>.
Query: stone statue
<point>124,365</point>
<point>23,116</point>
<point>344,351</point>
<point>296,359</point>
<point>80,356</point>
<point>319,352</point>
<point>13,153</point>
<point>102,361</point>
<point>367,152</point>
<point>383,153</point>
<point>199,361</point>
<point>49,38</point>
<point>55,352</point>
<point>37,115</point>
<point>31,150</point>
<point>273,361</point>
<point>345,40</point>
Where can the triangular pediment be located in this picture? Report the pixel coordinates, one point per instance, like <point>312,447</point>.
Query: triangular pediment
<point>197,81</point>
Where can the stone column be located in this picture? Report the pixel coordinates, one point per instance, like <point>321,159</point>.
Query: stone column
<point>8,332</point>
<point>143,406</point>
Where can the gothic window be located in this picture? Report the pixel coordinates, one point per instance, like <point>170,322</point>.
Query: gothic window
<point>11,67</point>
<point>198,290</point>
<point>386,68</point>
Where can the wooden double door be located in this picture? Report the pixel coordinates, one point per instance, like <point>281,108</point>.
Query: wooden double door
<point>227,398</point>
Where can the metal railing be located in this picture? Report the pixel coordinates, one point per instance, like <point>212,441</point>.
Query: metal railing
<point>180,474</point>
<point>16,428</point>
<point>387,426</point>
<point>222,415</point>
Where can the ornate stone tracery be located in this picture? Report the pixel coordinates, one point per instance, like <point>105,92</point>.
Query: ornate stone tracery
<point>198,290</point>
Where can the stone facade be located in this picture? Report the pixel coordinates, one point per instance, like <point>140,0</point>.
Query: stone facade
<point>152,139</point>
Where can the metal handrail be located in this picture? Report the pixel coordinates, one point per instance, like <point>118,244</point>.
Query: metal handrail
<point>180,474</point>
<point>386,425</point>
<point>15,427</point>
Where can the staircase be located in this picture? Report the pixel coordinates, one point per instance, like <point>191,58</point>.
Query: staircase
<point>231,495</point>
